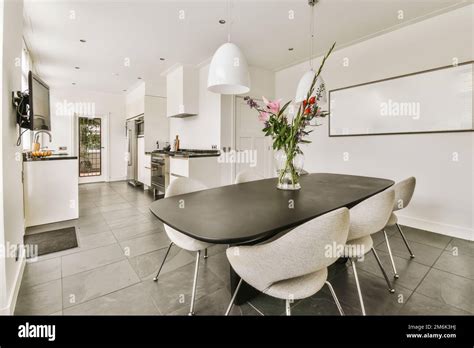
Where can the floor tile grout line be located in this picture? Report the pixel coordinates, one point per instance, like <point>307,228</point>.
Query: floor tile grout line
<point>397,235</point>
<point>421,281</point>
<point>95,268</point>
<point>62,286</point>
<point>107,294</point>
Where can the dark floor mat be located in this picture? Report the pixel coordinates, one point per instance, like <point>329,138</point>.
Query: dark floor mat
<point>53,241</point>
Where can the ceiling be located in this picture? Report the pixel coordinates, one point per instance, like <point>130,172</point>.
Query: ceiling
<point>140,32</point>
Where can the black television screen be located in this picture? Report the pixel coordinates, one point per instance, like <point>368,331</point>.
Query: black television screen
<point>39,103</point>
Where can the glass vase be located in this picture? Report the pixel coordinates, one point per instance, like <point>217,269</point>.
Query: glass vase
<point>289,167</point>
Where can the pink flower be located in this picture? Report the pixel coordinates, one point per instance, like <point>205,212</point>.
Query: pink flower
<point>263,116</point>
<point>273,106</point>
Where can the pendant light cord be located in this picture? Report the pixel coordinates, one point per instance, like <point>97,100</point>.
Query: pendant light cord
<point>311,30</point>
<point>229,24</point>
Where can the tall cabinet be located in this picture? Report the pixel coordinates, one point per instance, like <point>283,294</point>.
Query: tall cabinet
<point>153,110</point>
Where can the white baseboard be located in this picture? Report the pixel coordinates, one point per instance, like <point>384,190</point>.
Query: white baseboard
<point>432,226</point>
<point>10,308</point>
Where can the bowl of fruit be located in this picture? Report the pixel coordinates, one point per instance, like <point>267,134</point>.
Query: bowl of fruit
<point>41,153</point>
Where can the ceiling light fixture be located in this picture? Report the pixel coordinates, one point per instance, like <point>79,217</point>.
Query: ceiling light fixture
<point>307,79</point>
<point>82,40</point>
<point>290,49</point>
<point>162,59</point>
<point>73,83</point>
<point>221,21</point>
<point>76,67</point>
<point>228,72</point>
<point>139,78</point>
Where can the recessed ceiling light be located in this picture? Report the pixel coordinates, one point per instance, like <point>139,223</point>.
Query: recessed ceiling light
<point>162,59</point>
<point>290,49</point>
<point>139,78</point>
<point>76,67</point>
<point>124,90</point>
<point>221,21</point>
<point>73,83</point>
<point>82,40</point>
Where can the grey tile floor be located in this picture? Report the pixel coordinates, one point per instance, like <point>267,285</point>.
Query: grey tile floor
<point>121,245</point>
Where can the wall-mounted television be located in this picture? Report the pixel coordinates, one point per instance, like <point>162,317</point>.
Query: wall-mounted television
<point>39,102</point>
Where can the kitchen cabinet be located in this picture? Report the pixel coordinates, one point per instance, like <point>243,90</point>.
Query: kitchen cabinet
<point>135,101</point>
<point>147,170</point>
<point>143,163</point>
<point>203,169</point>
<point>182,89</point>
<point>50,190</point>
<point>156,122</point>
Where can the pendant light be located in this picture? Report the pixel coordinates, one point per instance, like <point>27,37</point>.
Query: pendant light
<point>305,82</point>
<point>228,72</point>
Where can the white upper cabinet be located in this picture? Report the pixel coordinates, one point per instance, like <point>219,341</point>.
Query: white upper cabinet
<point>135,101</point>
<point>156,122</point>
<point>182,91</point>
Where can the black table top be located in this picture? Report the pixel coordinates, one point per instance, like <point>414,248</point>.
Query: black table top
<point>254,211</point>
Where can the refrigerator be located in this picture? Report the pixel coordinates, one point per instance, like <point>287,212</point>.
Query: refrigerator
<point>132,153</point>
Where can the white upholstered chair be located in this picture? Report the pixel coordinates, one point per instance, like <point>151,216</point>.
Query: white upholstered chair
<point>177,187</point>
<point>403,193</point>
<point>368,217</point>
<point>293,266</point>
<point>247,175</point>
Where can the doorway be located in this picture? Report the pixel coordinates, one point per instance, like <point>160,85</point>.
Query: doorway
<point>92,138</point>
<point>251,142</point>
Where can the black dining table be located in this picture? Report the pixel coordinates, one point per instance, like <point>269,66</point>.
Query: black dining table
<point>253,212</point>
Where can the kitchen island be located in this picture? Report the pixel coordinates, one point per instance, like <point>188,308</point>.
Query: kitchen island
<point>50,189</point>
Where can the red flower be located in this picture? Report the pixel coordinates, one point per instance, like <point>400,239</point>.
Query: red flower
<point>307,111</point>
<point>305,102</point>
<point>312,100</point>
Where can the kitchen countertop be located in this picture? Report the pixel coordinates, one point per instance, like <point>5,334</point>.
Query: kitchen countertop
<point>188,154</point>
<point>50,158</point>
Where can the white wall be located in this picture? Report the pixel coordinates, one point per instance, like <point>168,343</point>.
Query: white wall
<point>64,131</point>
<point>209,127</point>
<point>11,202</point>
<point>443,200</point>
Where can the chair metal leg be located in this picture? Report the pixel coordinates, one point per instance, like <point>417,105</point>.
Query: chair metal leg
<point>406,242</point>
<point>205,253</point>
<point>193,294</point>
<point>390,287</point>
<point>333,293</point>
<point>231,304</point>
<point>395,273</point>
<point>361,300</point>
<point>162,263</point>
<point>288,307</point>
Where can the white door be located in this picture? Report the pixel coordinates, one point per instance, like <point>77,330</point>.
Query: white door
<point>92,149</point>
<point>253,148</point>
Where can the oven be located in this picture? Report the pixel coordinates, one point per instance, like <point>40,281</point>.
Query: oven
<point>159,173</point>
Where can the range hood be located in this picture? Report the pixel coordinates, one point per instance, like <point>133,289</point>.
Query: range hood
<point>182,90</point>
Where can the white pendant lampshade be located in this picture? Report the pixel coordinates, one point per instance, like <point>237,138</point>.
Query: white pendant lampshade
<point>228,72</point>
<point>305,84</point>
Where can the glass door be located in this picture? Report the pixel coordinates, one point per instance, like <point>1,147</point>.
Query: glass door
<point>90,147</point>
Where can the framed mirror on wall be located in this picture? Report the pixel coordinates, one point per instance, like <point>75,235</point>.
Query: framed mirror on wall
<point>431,101</point>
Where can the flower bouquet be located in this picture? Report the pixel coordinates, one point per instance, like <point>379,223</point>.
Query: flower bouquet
<point>288,130</point>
